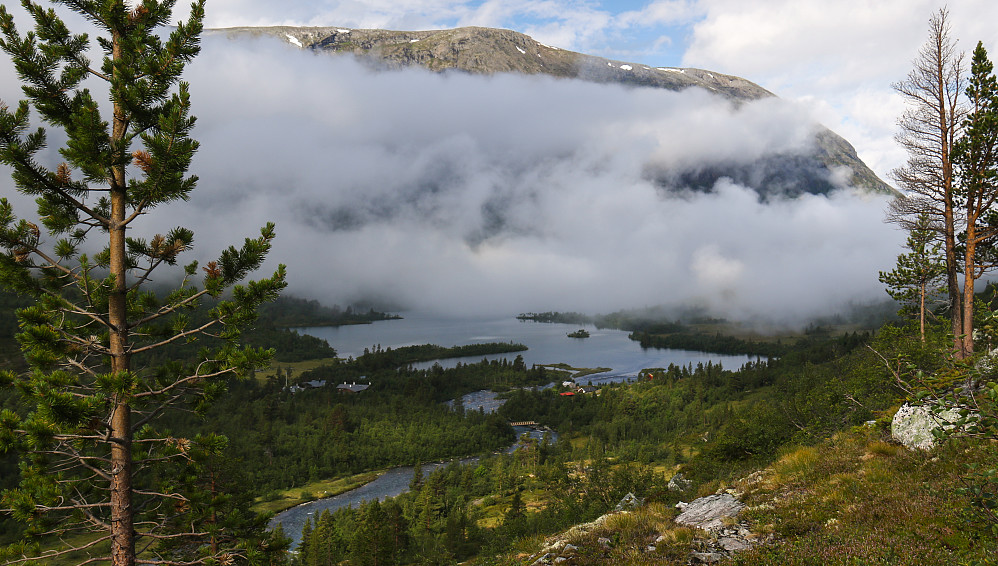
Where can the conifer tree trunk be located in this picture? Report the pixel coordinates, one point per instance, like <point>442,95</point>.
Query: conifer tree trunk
<point>921,312</point>
<point>928,130</point>
<point>122,511</point>
<point>91,482</point>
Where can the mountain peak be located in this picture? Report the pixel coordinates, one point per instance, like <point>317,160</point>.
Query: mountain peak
<point>484,50</point>
<point>480,50</point>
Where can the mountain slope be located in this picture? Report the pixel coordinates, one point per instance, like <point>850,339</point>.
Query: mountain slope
<point>489,51</point>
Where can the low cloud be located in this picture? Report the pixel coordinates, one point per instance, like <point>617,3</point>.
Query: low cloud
<point>465,194</point>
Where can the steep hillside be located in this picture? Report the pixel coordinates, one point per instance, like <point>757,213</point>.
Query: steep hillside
<point>489,51</point>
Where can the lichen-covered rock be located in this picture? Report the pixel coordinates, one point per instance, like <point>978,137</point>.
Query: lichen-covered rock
<point>679,483</point>
<point>706,557</point>
<point>707,513</point>
<point>733,544</point>
<point>914,425</point>
<point>630,502</point>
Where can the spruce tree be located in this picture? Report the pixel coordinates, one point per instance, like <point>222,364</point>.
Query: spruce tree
<point>89,441</point>
<point>371,544</point>
<point>305,545</point>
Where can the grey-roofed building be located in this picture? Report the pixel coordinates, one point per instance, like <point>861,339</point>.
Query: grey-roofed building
<point>352,387</point>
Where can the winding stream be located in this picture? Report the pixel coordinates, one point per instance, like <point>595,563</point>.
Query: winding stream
<point>390,484</point>
<point>548,344</point>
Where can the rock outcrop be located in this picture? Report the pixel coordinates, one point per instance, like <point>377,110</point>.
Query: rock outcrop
<point>708,513</point>
<point>718,534</point>
<point>679,483</point>
<point>916,426</point>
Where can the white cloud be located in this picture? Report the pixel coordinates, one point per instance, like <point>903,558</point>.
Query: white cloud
<point>660,12</point>
<point>839,57</point>
<point>401,185</point>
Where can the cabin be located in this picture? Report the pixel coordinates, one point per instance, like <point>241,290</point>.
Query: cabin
<point>304,386</point>
<point>351,387</point>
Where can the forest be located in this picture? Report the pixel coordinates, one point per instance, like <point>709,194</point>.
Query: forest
<point>143,425</point>
<point>709,423</point>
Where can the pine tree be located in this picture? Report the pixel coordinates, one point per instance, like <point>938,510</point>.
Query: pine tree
<point>90,446</point>
<point>915,281</point>
<point>398,530</point>
<point>416,483</point>
<point>975,159</point>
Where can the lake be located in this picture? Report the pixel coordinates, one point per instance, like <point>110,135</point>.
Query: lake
<point>548,343</point>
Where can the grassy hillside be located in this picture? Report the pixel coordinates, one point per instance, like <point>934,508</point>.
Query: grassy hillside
<point>856,498</point>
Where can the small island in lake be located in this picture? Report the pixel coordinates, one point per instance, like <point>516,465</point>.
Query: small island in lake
<point>580,333</point>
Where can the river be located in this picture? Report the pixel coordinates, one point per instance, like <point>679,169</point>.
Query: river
<point>393,482</point>
<point>547,344</point>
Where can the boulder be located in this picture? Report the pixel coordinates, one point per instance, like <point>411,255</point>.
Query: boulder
<point>733,544</point>
<point>914,425</point>
<point>706,557</point>
<point>630,502</point>
<point>679,483</point>
<point>707,513</point>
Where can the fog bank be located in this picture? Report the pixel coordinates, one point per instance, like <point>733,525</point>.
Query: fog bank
<point>466,194</point>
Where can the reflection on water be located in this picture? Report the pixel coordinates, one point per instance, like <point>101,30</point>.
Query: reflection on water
<point>548,344</point>
<point>391,483</point>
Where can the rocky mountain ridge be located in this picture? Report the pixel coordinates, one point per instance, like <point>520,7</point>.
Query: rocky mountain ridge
<point>481,50</point>
<point>489,51</point>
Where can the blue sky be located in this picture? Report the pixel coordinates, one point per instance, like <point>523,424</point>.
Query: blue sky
<point>654,32</point>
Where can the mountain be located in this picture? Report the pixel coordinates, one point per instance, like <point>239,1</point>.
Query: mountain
<point>489,51</point>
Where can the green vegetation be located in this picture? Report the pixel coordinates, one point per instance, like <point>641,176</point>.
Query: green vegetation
<point>559,317</point>
<point>702,342</point>
<point>389,358</point>
<point>281,499</point>
<point>576,373</point>
<point>295,312</point>
<point>97,474</point>
<point>10,352</point>
<point>285,440</point>
<point>715,425</point>
<point>859,499</point>
<point>580,333</point>
<point>442,520</point>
